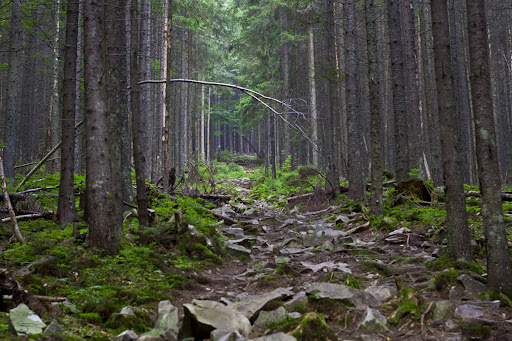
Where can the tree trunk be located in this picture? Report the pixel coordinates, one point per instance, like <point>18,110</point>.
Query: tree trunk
<point>139,155</point>
<point>54,110</point>
<point>355,175</point>
<point>168,94</point>
<point>459,245</point>
<point>499,268</point>
<point>312,94</point>
<point>13,90</point>
<point>105,224</point>
<point>66,211</point>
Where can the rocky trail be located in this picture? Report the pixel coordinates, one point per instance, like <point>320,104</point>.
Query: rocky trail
<point>322,274</point>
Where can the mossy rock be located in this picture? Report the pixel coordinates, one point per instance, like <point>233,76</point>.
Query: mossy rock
<point>412,189</point>
<point>408,306</point>
<point>314,328</point>
<point>139,322</point>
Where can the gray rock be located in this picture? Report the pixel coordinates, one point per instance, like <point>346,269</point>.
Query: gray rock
<point>149,338</point>
<point>267,317</point>
<point>454,337</point>
<point>343,219</point>
<point>226,335</point>
<point>373,321</point>
<point>166,326</point>
<point>23,321</point>
<point>127,311</point>
<point>276,337</point>
<point>358,298</point>
<point>249,306</point>
<point>382,292</point>
<point>233,231</point>
<point>328,266</point>
<point>237,250</point>
<point>202,317</point>
<point>299,298</point>
<point>320,237</point>
<point>472,287</point>
<point>53,328</point>
<point>469,311</point>
<point>294,315</point>
<point>442,309</point>
<point>127,335</point>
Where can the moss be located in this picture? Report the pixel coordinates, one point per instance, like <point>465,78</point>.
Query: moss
<point>445,279</point>
<point>446,262</point>
<point>408,306</point>
<point>138,322</point>
<point>476,331</point>
<point>285,325</point>
<point>93,318</point>
<point>313,327</point>
<point>372,265</point>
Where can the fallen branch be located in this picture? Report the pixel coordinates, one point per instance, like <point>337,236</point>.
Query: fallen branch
<point>43,160</point>
<point>208,196</point>
<point>223,217</point>
<point>39,189</point>
<point>505,196</point>
<point>44,215</point>
<point>8,205</point>
<point>29,268</point>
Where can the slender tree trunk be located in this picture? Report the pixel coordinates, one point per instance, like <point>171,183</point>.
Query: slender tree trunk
<point>499,268</point>
<point>397,71</point>
<point>54,110</point>
<point>355,174</point>
<point>13,90</point>
<point>139,155</point>
<point>377,155</point>
<point>105,223</point>
<point>144,68</point>
<point>459,244</point>
<point>66,211</point>
<point>168,93</point>
<point>312,94</point>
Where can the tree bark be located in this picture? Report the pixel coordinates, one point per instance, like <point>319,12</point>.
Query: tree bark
<point>499,268</point>
<point>312,93</point>
<point>459,245</point>
<point>66,211</point>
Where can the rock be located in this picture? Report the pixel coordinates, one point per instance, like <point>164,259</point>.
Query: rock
<point>469,311</point>
<point>68,306</point>
<point>316,238</point>
<point>127,311</point>
<point>233,231</point>
<point>237,250</point>
<point>299,298</point>
<point>436,253</point>
<point>383,293</point>
<point>276,337</point>
<point>358,298</point>
<point>166,326</point>
<point>342,219</point>
<point>313,327</point>
<point>249,306</point>
<point>373,321</point>
<point>294,315</point>
<point>442,309</point>
<point>267,317</point>
<point>454,337</point>
<point>328,266</point>
<point>226,335</point>
<point>127,335</point>
<point>370,338</point>
<point>425,244</point>
<point>53,328</point>
<point>149,338</point>
<point>472,287</point>
<point>202,317</point>
<point>23,321</point>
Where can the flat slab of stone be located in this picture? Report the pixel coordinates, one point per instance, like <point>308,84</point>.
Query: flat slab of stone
<point>469,311</point>
<point>267,317</point>
<point>359,298</point>
<point>373,321</point>
<point>23,321</point>
<point>249,306</point>
<point>203,317</point>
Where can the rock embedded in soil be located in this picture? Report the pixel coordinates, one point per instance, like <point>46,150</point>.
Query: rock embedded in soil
<point>359,298</point>
<point>267,317</point>
<point>276,337</point>
<point>166,326</point>
<point>23,321</point>
<point>373,321</point>
<point>249,306</point>
<point>383,293</point>
<point>127,335</point>
<point>442,310</point>
<point>53,328</point>
<point>203,317</point>
<point>226,335</point>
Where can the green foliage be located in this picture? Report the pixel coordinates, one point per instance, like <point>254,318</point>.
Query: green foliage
<point>446,262</point>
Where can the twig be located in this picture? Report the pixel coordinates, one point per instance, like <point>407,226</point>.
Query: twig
<point>30,216</point>
<point>8,205</point>
<point>423,317</point>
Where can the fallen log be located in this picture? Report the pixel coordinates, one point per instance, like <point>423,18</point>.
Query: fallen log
<point>30,267</point>
<point>44,215</point>
<point>208,196</point>
<point>223,217</point>
<point>505,196</point>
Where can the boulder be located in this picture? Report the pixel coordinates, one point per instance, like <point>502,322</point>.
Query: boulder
<point>53,328</point>
<point>127,335</point>
<point>23,321</point>
<point>442,309</point>
<point>383,293</point>
<point>267,317</point>
<point>203,317</point>
<point>226,335</point>
<point>359,298</point>
<point>373,321</point>
<point>166,326</point>
<point>249,306</point>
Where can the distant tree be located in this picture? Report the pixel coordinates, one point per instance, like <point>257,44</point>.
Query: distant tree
<point>499,268</point>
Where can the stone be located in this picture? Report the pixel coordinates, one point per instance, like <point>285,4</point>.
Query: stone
<point>469,311</point>
<point>267,317</point>
<point>276,337</point>
<point>472,287</point>
<point>359,298</point>
<point>67,306</point>
<point>370,338</point>
<point>226,335</point>
<point>149,338</point>
<point>373,321</point>
<point>299,298</point>
<point>166,326</point>
<point>313,327</point>
<point>127,311</point>
<point>236,232</point>
<point>328,266</point>
<point>202,317</point>
<point>250,305</point>
<point>319,237</point>
<point>237,250</point>
<point>127,335</point>
<point>23,321</point>
<point>442,310</point>
<point>53,328</point>
<point>383,293</point>
<point>342,219</point>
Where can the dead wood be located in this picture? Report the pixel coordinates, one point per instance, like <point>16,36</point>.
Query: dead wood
<point>505,196</point>
<point>208,196</point>
<point>223,217</point>
<point>8,204</point>
<point>39,189</point>
<point>10,286</point>
<point>43,215</point>
<point>31,267</point>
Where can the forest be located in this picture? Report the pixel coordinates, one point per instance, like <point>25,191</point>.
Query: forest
<point>256,170</point>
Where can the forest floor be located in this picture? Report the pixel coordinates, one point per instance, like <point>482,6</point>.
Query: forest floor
<point>294,258</point>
